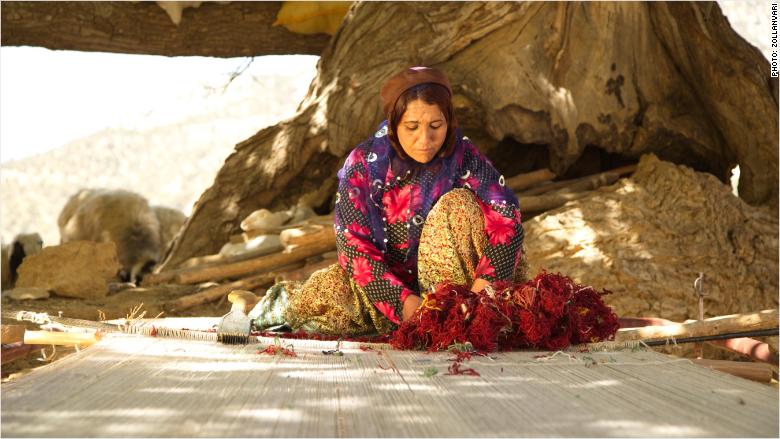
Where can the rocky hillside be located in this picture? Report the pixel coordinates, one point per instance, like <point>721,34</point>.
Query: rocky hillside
<point>170,164</point>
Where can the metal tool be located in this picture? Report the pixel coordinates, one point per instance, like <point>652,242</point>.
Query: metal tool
<point>235,327</point>
<point>698,288</point>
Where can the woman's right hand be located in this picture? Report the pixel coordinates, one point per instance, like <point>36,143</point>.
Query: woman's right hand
<point>411,304</point>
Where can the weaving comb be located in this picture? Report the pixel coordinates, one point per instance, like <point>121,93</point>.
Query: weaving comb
<point>236,326</point>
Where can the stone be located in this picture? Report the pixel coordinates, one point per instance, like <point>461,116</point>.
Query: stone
<point>28,293</point>
<point>79,269</point>
<point>264,219</point>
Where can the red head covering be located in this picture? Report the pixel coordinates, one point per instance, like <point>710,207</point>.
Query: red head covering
<point>406,79</point>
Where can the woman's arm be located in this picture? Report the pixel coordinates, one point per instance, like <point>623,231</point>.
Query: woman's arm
<point>357,253</point>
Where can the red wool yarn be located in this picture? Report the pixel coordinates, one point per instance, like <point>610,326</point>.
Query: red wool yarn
<point>549,312</point>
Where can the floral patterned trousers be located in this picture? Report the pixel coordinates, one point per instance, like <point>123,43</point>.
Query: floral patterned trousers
<point>330,302</point>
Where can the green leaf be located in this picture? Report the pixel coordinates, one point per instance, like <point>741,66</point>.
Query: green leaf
<point>461,347</point>
<point>430,371</point>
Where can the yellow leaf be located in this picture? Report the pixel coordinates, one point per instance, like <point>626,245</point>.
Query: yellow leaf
<point>311,17</point>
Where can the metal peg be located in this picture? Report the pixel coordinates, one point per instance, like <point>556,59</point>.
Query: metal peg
<point>698,288</point>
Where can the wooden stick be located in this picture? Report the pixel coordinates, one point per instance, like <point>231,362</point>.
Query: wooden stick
<point>12,333</point>
<point>766,319</point>
<point>635,322</point>
<point>159,278</point>
<point>316,224</point>
<point>209,261</point>
<point>263,263</point>
<point>61,338</point>
<point>198,262</point>
<point>589,182</point>
<point>756,350</point>
<point>215,293</point>
<point>523,181</point>
<point>312,234</point>
<point>322,219</point>
<point>544,203</point>
<point>761,372</point>
<point>201,261</point>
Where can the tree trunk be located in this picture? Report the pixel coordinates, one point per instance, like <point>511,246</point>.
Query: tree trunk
<point>219,30</point>
<point>622,77</point>
<point>730,79</point>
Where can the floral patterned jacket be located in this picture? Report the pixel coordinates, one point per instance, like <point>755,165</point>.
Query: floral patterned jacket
<point>381,206</point>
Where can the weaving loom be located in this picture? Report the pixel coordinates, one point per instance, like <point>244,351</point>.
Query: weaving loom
<point>129,385</point>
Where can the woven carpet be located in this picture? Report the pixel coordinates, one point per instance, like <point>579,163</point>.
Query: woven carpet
<point>146,386</point>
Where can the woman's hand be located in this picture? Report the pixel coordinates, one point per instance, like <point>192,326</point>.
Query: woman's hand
<point>479,285</point>
<point>411,304</point>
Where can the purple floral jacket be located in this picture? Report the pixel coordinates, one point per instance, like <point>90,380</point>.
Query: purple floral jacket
<point>381,206</point>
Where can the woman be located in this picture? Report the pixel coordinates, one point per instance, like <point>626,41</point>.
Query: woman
<point>417,204</point>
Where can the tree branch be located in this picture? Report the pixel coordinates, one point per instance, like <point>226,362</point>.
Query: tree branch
<point>220,30</point>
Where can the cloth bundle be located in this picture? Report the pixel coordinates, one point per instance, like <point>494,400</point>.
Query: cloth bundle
<point>548,312</point>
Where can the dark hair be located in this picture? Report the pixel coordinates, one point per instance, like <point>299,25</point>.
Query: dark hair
<point>431,94</point>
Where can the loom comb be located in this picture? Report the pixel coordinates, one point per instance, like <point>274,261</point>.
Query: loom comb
<point>236,326</point>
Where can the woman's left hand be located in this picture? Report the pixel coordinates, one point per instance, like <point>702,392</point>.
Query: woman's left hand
<point>479,285</point>
<point>411,304</point>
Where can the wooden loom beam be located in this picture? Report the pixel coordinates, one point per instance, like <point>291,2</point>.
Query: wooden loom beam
<point>733,323</point>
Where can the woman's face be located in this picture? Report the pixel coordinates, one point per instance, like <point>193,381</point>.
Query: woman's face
<point>422,130</point>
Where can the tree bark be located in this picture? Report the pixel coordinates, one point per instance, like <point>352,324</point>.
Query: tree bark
<point>731,80</point>
<point>220,30</point>
<point>618,76</point>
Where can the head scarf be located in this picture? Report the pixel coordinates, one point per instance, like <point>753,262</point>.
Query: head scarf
<point>394,87</point>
